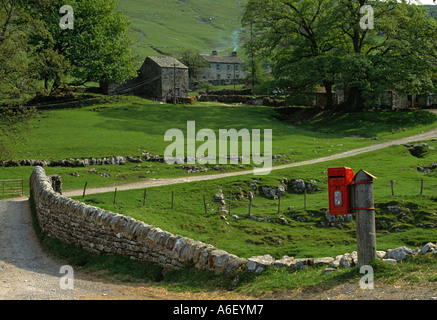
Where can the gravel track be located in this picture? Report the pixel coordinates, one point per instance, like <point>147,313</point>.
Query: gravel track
<point>168,181</point>
<point>29,273</point>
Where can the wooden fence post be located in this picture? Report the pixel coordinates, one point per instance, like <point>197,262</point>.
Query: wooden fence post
<point>421,187</point>
<point>230,200</point>
<point>392,187</point>
<point>279,204</point>
<point>84,189</point>
<point>365,217</point>
<point>204,204</point>
<point>115,195</point>
<point>144,197</point>
<point>250,204</point>
<point>172,199</point>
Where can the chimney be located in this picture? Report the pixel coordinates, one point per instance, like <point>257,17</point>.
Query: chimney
<point>214,52</point>
<point>234,54</point>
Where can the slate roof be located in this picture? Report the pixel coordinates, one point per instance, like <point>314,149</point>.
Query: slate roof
<point>221,59</point>
<point>168,62</point>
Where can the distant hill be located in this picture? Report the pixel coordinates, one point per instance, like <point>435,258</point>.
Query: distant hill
<point>169,26</point>
<point>162,27</point>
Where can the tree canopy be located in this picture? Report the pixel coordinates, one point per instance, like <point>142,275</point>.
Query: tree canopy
<point>34,46</point>
<point>324,43</point>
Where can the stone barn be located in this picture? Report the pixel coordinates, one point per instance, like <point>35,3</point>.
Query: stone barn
<point>159,78</point>
<point>164,79</point>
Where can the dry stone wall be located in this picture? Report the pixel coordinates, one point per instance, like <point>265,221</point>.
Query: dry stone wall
<point>101,231</point>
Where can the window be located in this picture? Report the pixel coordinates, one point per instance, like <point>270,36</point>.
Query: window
<point>229,76</point>
<point>229,67</point>
<point>237,68</point>
<point>218,77</point>
<point>218,67</point>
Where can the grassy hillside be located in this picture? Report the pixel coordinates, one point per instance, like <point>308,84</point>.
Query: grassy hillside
<point>174,25</point>
<point>170,26</point>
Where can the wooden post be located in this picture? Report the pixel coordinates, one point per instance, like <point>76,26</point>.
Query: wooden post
<point>305,199</point>
<point>250,203</point>
<point>279,204</point>
<point>392,188</point>
<point>115,195</point>
<point>365,217</point>
<point>172,199</point>
<point>174,86</point>
<point>204,204</point>
<point>84,189</point>
<point>144,197</point>
<point>421,187</point>
<point>230,199</point>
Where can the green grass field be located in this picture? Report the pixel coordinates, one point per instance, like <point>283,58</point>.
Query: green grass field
<point>304,235</point>
<point>126,126</point>
<point>129,125</point>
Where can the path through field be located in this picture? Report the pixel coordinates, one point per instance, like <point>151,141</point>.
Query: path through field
<point>168,181</point>
<point>28,273</point>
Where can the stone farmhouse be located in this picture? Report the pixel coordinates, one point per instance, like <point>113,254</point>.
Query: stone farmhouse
<point>222,69</point>
<point>159,78</point>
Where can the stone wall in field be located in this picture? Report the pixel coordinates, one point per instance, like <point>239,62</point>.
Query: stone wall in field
<point>100,231</point>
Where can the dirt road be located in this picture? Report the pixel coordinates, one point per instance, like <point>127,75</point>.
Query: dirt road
<point>161,182</point>
<point>29,273</point>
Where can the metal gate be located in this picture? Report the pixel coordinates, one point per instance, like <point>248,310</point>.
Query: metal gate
<point>10,188</point>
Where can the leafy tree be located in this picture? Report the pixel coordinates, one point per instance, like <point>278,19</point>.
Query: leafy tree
<point>193,61</point>
<point>14,74</point>
<point>13,124</point>
<point>97,49</point>
<point>321,42</point>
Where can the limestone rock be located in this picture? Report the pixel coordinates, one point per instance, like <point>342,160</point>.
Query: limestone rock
<point>257,264</point>
<point>380,254</point>
<point>399,254</point>
<point>390,261</point>
<point>428,247</point>
<point>285,261</point>
<point>322,261</point>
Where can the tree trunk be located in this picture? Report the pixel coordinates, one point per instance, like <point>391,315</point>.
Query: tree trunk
<point>354,102</point>
<point>329,97</point>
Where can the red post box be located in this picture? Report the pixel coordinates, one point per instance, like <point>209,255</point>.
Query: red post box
<point>338,185</point>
